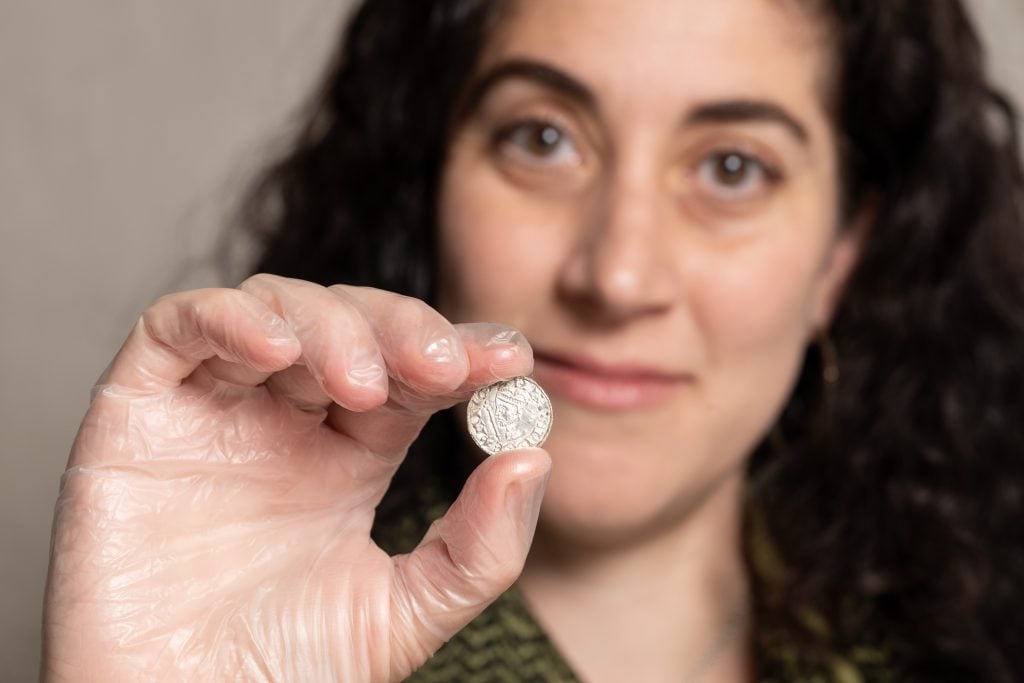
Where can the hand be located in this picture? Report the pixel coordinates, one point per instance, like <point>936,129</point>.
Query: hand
<point>214,519</point>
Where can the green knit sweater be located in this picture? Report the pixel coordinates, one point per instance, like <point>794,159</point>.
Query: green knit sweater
<point>505,644</point>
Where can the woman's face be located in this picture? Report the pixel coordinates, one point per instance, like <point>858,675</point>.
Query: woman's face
<point>648,191</point>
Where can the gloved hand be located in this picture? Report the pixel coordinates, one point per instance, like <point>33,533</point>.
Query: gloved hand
<point>213,523</point>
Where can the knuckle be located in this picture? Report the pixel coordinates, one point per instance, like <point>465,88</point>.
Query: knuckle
<point>207,302</point>
<point>342,291</point>
<point>415,314</point>
<point>420,309</point>
<point>187,301</point>
<point>358,314</point>
<point>260,281</point>
<point>162,306</point>
<point>171,315</point>
<point>285,296</point>
<point>163,312</point>
<point>505,574</point>
<point>362,300</point>
<point>389,303</point>
<point>271,288</point>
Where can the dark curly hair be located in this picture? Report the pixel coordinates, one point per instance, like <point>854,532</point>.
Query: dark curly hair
<point>898,486</point>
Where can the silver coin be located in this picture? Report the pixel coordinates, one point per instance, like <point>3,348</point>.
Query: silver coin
<point>504,416</point>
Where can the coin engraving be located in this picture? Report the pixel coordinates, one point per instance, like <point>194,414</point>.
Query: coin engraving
<point>503,416</point>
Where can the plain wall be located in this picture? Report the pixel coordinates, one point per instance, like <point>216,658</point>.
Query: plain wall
<point>126,129</point>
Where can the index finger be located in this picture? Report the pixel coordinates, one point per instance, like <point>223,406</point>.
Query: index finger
<point>493,352</point>
<point>179,331</point>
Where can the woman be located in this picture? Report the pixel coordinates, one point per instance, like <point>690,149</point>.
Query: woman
<point>768,261</point>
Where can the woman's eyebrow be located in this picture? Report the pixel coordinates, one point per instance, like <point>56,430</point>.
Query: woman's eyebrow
<point>553,78</point>
<point>747,111</point>
<point>542,74</point>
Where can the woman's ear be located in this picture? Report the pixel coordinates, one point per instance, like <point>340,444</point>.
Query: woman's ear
<point>842,256</point>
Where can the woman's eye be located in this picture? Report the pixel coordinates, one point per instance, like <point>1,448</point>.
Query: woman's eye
<point>538,142</point>
<point>733,175</point>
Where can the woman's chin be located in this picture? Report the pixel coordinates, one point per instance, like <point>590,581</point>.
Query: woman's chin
<point>602,499</point>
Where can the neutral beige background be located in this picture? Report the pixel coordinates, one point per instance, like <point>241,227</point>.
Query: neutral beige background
<point>126,129</point>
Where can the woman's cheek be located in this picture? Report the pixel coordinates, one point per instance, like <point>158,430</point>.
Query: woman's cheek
<point>499,249</point>
<point>754,305</point>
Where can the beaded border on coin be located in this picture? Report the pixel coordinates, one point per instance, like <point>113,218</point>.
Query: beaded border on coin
<point>511,414</point>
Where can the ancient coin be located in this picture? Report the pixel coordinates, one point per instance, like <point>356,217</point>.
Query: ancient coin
<point>503,416</point>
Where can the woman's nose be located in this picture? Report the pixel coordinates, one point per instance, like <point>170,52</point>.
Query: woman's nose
<point>621,263</point>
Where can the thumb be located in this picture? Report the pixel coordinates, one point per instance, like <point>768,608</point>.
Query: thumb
<point>472,554</point>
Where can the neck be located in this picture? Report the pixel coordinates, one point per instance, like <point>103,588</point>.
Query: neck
<point>660,604</point>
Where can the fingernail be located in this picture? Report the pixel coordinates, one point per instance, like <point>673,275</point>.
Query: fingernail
<point>279,332</point>
<point>524,500</point>
<point>492,335</point>
<point>443,350</point>
<point>507,345</point>
<point>366,376</point>
<point>503,344</point>
<point>505,337</point>
<point>365,370</point>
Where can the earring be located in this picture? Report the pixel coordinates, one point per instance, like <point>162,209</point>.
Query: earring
<point>829,358</point>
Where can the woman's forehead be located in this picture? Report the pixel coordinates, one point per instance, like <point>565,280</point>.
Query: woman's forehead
<point>672,53</point>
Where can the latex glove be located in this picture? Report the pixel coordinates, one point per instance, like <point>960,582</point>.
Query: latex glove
<point>213,522</point>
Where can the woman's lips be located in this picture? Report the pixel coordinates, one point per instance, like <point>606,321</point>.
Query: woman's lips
<point>605,387</point>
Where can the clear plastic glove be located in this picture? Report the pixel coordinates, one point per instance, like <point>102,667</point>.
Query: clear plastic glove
<point>214,520</point>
